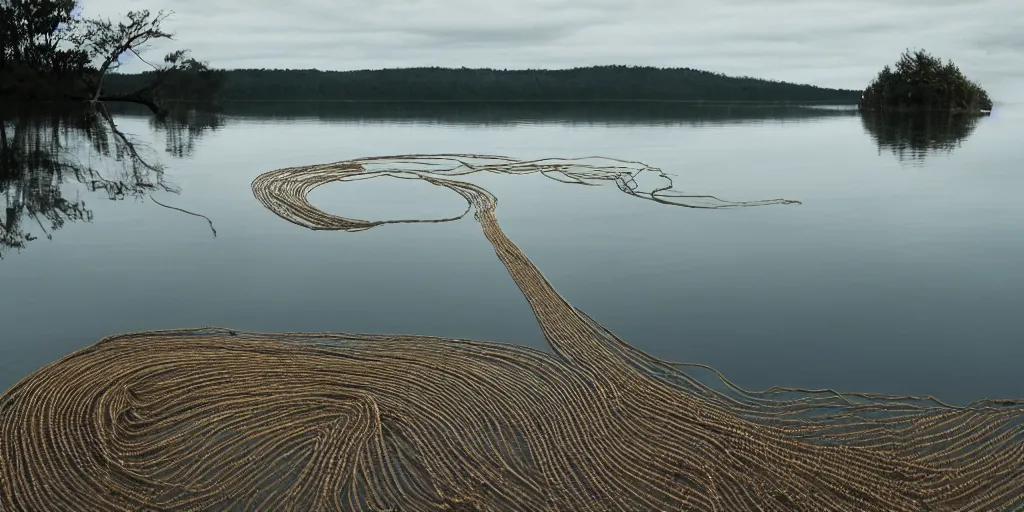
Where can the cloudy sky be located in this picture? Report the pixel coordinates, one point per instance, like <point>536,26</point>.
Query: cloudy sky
<point>835,43</point>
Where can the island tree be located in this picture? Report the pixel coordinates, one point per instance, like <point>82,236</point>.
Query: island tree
<point>921,82</point>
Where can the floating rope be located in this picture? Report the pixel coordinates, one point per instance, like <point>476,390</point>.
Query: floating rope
<point>221,419</point>
<point>208,220</point>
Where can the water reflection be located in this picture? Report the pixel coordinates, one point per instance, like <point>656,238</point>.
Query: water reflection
<point>834,293</point>
<point>44,149</point>
<point>512,113</point>
<point>913,136</point>
<point>184,126</point>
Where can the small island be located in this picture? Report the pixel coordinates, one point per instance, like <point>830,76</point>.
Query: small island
<point>921,82</point>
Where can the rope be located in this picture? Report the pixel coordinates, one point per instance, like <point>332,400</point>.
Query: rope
<point>221,419</point>
<point>208,220</point>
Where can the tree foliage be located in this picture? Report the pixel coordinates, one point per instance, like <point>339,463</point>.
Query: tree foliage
<point>48,51</point>
<point>32,30</point>
<point>36,56</point>
<point>601,83</point>
<point>920,81</point>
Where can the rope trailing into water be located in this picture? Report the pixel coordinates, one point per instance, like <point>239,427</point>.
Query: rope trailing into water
<point>221,419</point>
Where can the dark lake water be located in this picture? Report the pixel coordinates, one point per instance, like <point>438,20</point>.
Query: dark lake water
<point>902,271</point>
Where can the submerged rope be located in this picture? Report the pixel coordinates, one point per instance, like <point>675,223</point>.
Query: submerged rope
<point>216,419</point>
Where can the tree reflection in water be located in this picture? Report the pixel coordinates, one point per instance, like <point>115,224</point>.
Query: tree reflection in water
<point>44,149</point>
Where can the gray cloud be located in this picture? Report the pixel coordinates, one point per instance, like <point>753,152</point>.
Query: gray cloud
<point>837,43</point>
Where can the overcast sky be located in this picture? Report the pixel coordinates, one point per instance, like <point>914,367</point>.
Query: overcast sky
<point>833,43</point>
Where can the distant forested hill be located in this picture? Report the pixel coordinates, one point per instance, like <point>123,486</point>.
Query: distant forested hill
<point>603,83</point>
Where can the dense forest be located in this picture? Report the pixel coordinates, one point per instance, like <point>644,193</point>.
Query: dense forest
<point>601,83</point>
<point>921,82</point>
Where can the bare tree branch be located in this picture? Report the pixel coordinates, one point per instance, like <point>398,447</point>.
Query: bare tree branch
<point>128,145</point>
<point>107,41</point>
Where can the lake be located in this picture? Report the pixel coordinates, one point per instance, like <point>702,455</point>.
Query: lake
<point>901,272</point>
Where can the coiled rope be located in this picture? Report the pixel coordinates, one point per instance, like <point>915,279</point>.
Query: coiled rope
<point>217,419</point>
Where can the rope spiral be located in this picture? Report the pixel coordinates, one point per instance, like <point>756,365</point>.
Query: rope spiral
<point>217,419</point>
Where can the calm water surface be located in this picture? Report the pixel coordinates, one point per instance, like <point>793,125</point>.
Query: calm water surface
<point>901,272</point>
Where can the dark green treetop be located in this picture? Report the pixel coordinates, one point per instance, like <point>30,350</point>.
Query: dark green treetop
<point>920,82</point>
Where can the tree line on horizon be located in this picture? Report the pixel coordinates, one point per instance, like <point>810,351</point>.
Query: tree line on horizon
<point>597,83</point>
<point>49,51</point>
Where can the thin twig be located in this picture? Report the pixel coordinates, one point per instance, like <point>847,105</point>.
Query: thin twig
<point>188,212</point>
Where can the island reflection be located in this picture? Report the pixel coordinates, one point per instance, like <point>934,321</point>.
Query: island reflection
<point>913,136</point>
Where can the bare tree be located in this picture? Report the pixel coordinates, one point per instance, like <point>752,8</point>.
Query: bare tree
<point>107,43</point>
